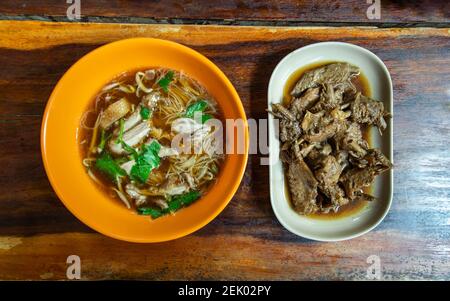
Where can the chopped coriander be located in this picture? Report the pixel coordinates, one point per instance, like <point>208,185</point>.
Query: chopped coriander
<point>145,113</point>
<point>198,106</point>
<point>165,81</point>
<point>153,212</point>
<point>206,117</point>
<point>106,164</point>
<point>175,203</point>
<point>185,199</point>
<point>146,161</point>
<point>121,128</point>
<point>103,139</point>
<point>129,149</point>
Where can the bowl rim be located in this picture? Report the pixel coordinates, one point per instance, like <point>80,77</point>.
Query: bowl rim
<point>239,171</point>
<point>386,210</point>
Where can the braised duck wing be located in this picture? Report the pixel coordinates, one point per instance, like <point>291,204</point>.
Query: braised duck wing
<point>334,74</point>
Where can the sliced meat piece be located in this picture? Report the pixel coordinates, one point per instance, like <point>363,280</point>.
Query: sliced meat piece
<point>160,202</point>
<point>352,141</point>
<point>173,187</point>
<point>289,130</point>
<point>133,192</point>
<point>114,112</point>
<point>311,120</point>
<point>322,133</point>
<point>333,74</point>
<point>328,176</point>
<point>303,103</point>
<point>289,127</point>
<point>128,165</point>
<point>302,187</point>
<point>130,122</point>
<point>369,111</point>
<point>281,112</point>
<point>328,99</point>
<point>329,172</point>
<point>131,137</point>
<point>378,160</point>
<point>167,152</point>
<point>355,179</point>
<point>189,180</point>
<point>186,125</point>
<point>342,158</point>
<point>314,157</point>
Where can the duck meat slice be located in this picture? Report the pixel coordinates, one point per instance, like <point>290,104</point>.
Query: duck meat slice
<point>131,137</point>
<point>130,122</point>
<point>328,99</point>
<point>279,111</point>
<point>334,74</point>
<point>369,111</point>
<point>289,130</point>
<point>302,187</point>
<point>322,132</point>
<point>376,159</point>
<point>356,179</point>
<point>329,172</point>
<point>352,141</point>
<point>328,176</point>
<point>303,103</point>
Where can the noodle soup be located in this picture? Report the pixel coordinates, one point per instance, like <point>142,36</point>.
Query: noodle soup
<point>128,134</point>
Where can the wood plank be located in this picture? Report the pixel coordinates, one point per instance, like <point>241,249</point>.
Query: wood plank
<point>246,241</point>
<point>210,258</point>
<point>268,10</point>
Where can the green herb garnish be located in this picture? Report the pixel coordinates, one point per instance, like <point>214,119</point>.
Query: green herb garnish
<point>129,149</point>
<point>103,139</point>
<point>198,106</point>
<point>121,128</point>
<point>145,113</point>
<point>165,81</point>
<point>106,164</point>
<point>153,212</point>
<point>206,117</point>
<point>146,161</point>
<point>175,203</point>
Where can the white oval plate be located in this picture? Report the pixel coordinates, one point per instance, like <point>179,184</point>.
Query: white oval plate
<point>381,87</point>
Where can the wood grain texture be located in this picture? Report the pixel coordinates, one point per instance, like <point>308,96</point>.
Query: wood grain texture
<point>245,241</point>
<point>266,10</point>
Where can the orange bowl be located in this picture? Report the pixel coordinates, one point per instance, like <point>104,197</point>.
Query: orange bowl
<point>61,152</point>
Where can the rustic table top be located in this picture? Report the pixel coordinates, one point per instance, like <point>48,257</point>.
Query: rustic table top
<point>37,233</point>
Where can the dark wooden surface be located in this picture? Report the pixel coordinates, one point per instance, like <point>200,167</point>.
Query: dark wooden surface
<point>245,241</point>
<point>204,11</point>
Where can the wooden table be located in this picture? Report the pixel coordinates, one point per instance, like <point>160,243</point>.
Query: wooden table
<point>245,241</point>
